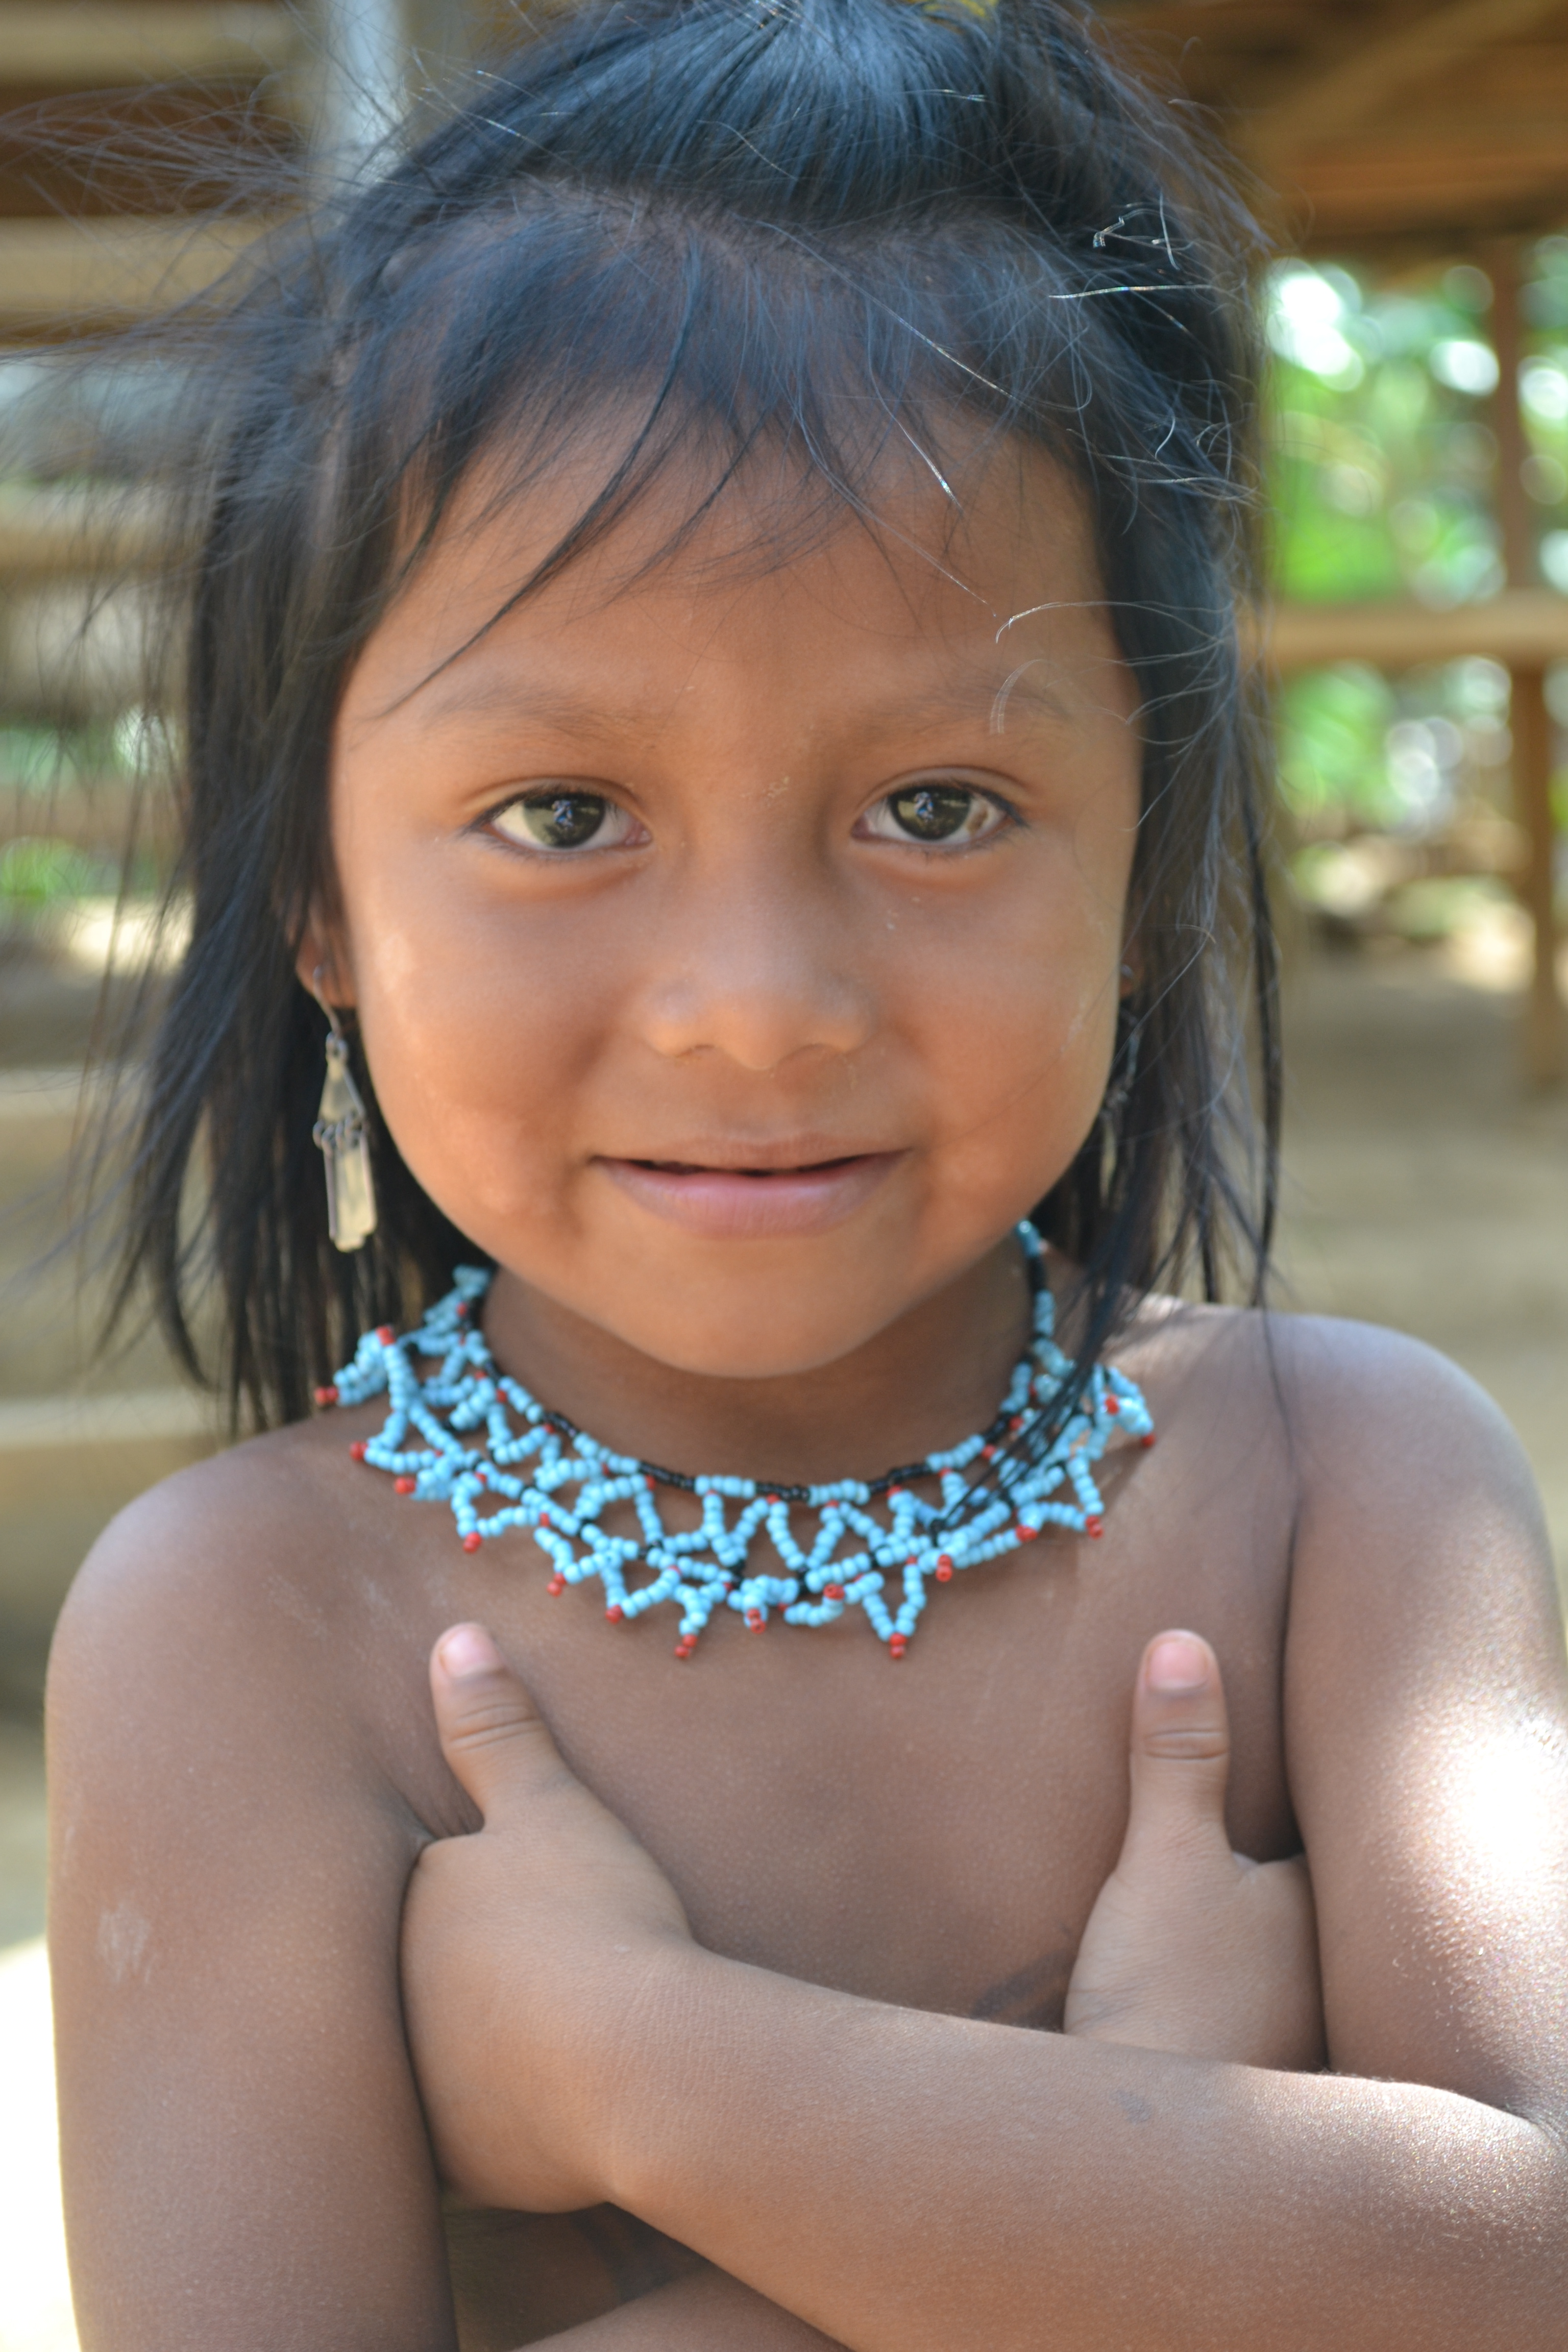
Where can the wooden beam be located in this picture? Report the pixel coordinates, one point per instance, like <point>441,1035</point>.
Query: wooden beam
<point>1336,214</point>
<point>45,43</point>
<point>1516,520</point>
<point>110,272</point>
<point>1524,626</point>
<point>1531,726</point>
<point>70,531</point>
<point>1530,717</point>
<point>1348,93</point>
<point>106,816</point>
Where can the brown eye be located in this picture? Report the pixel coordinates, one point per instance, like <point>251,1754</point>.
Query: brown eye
<point>565,818</point>
<point>938,815</point>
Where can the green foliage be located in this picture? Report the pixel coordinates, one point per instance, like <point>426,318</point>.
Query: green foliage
<point>1333,726</point>
<point>1381,459</point>
<point>37,757</point>
<point>1382,480</point>
<point>37,873</point>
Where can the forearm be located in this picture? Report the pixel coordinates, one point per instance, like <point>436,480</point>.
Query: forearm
<point>905,2182</point>
<point>707,2312</point>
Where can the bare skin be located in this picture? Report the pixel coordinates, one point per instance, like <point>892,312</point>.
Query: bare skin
<point>885,1872</point>
<point>1191,1949</point>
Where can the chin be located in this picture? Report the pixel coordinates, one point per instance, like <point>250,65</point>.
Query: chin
<point>752,1347</point>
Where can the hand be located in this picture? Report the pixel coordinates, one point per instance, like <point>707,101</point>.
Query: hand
<point>1192,1948</point>
<point>530,1950</point>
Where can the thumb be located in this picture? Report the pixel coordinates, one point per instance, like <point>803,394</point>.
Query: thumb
<point>490,1731</point>
<point>1181,1747</point>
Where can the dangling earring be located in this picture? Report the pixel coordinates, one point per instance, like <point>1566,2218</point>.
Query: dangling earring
<point>1123,1071</point>
<point>340,1131</point>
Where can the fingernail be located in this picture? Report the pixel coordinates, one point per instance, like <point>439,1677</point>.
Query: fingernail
<point>468,1649</point>
<point>1178,1663</point>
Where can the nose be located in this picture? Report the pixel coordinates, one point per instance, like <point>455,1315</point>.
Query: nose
<point>759,971</point>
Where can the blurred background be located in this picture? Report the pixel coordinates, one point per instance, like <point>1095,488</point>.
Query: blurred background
<point>1411,162</point>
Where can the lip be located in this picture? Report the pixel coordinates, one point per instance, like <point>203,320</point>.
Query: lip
<point>754,1192</point>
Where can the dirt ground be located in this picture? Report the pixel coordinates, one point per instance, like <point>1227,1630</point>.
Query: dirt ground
<point>1427,1187</point>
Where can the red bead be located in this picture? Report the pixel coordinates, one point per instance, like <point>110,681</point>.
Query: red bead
<point>403,1485</point>
<point>615,1613</point>
<point>359,1449</point>
<point>988,1454</point>
<point>1111,1405</point>
<point>1094,1527</point>
<point>771,1501</point>
<point>557,1584</point>
<point>755,1620</point>
<point>832,1592</point>
<point>383,1333</point>
<point>472,1540</point>
<point>898,1644</point>
<point>1026,1535</point>
<point>685,1646</point>
<point>1148,1439</point>
<point>944,1570</point>
<point>1013,1426</point>
<point>328,1395</point>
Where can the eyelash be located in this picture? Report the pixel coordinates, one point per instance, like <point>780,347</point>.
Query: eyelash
<point>544,802</point>
<point>932,789</point>
<point>549,806</point>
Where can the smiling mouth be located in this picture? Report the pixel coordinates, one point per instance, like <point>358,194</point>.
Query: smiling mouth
<point>759,1198</point>
<point>757,1175</point>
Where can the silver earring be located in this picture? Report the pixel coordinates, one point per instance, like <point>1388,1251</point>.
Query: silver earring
<point>1124,1072</point>
<point>340,1133</point>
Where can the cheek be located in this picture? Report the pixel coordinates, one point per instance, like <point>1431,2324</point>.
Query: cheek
<point>478,1030</point>
<point>1019,1020</point>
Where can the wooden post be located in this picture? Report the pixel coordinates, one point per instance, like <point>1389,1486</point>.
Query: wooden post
<point>1546,1024</point>
<point>1545,1029</point>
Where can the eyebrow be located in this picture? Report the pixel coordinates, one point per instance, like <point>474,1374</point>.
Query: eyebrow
<point>966,693</point>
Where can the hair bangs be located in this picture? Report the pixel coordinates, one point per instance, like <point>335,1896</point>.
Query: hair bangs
<point>698,248</point>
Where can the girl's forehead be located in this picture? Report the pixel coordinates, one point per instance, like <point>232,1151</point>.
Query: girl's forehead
<point>968,566</point>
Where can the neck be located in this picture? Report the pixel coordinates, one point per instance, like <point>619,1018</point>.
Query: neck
<point>921,1384</point>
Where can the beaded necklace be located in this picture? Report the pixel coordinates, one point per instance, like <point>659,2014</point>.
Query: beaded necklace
<point>523,1475</point>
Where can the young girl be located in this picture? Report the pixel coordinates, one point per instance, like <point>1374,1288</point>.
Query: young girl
<point>720,796</point>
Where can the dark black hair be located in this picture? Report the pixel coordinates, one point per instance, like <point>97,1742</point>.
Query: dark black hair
<point>828,226</point>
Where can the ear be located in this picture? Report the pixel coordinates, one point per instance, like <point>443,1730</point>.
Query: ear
<point>321,961</point>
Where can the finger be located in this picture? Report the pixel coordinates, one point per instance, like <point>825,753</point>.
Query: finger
<point>491,1734</point>
<point>1180,1745</point>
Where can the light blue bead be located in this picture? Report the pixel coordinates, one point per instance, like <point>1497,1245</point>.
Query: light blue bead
<point>579,1481</point>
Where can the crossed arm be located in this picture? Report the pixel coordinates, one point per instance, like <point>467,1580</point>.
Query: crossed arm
<point>1191,1950</point>
<point>908,2182</point>
<point>1109,2186</point>
<point>246,2162</point>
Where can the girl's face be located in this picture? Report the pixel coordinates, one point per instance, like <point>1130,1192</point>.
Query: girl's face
<point>736,949</point>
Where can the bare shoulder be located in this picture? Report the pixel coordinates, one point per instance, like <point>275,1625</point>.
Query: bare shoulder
<point>230,1842</point>
<point>263,1532</point>
<point>1390,1436</point>
<point>1337,1395</point>
<point>1422,1580</point>
<point>250,1590</point>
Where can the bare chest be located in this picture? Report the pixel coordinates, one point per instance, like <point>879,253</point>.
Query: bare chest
<point>931,1832</point>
